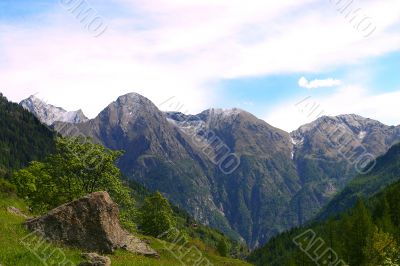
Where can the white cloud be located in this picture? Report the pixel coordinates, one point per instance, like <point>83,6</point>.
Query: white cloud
<point>182,48</point>
<point>345,100</point>
<point>318,83</point>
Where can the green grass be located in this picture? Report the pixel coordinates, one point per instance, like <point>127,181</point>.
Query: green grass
<point>14,253</point>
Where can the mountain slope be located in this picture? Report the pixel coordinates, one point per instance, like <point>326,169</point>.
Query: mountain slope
<point>22,137</point>
<point>255,195</point>
<point>48,114</point>
<point>360,235</point>
<point>386,172</point>
<point>15,239</point>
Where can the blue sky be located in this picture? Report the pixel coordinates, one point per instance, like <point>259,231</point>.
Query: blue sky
<point>206,54</point>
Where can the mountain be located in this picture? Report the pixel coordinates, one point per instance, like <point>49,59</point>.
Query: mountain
<point>330,151</point>
<point>157,155</point>
<point>231,170</point>
<point>254,197</point>
<point>363,232</point>
<point>386,172</point>
<point>22,137</point>
<point>48,114</point>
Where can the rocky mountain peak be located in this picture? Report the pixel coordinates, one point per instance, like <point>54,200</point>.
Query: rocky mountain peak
<point>133,99</point>
<point>49,114</point>
<point>131,104</point>
<point>351,123</point>
<point>131,112</point>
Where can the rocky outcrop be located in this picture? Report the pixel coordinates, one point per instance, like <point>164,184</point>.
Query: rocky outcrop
<point>94,259</point>
<point>90,223</point>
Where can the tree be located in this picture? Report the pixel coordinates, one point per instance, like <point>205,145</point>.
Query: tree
<point>223,248</point>
<point>382,250</point>
<point>357,229</point>
<point>383,215</point>
<point>78,167</point>
<point>156,216</point>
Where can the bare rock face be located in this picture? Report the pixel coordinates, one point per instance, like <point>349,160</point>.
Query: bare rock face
<point>94,259</point>
<point>90,223</point>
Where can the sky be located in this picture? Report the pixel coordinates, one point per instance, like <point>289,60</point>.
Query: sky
<point>287,62</point>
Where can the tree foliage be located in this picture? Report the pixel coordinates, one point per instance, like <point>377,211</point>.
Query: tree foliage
<point>223,248</point>
<point>22,138</point>
<point>78,167</point>
<point>156,216</point>
<point>366,235</point>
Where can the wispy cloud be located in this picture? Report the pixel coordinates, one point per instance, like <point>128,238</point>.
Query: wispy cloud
<point>349,99</point>
<point>318,83</point>
<point>165,48</point>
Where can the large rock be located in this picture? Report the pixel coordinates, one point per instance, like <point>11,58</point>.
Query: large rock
<point>90,223</point>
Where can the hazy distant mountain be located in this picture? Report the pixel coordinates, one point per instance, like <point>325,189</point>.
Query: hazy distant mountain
<point>331,151</point>
<point>230,169</point>
<point>48,114</point>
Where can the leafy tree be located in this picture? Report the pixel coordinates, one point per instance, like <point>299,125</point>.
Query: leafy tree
<point>382,250</point>
<point>223,248</point>
<point>78,167</point>
<point>156,216</point>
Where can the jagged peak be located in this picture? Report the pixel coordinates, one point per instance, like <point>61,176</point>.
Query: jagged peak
<point>48,114</point>
<point>348,119</point>
<point>133,97</point>
<point>129,107</point>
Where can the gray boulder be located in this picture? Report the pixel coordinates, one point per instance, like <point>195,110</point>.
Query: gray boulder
<point>90,223</point>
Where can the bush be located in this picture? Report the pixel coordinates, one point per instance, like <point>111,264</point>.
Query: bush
<point>156,216</point>
<point>7,188</point>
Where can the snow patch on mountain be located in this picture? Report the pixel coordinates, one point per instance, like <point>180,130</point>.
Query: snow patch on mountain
<point>362,135</point>
<point>49,114</point>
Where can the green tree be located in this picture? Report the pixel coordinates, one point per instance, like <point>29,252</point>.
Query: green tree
<point>357,228</point>
<point>156,216</point>
<point>383,215</point>
<point>382,250</point>
<point>78,167</point>
<point>223,248</point>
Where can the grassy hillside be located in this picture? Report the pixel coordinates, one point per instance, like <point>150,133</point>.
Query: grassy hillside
<point>14,253</point>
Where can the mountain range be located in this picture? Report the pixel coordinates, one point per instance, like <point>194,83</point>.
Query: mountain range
<point>227,168</point>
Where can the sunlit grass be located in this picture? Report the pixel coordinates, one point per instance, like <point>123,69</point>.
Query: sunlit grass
<point>14,253</point>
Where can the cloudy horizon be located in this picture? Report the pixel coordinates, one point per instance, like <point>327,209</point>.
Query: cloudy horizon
<point>263,57</point>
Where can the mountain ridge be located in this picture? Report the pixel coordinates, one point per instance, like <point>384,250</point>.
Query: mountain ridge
<point>282,180</point>
<point>49,114</point>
